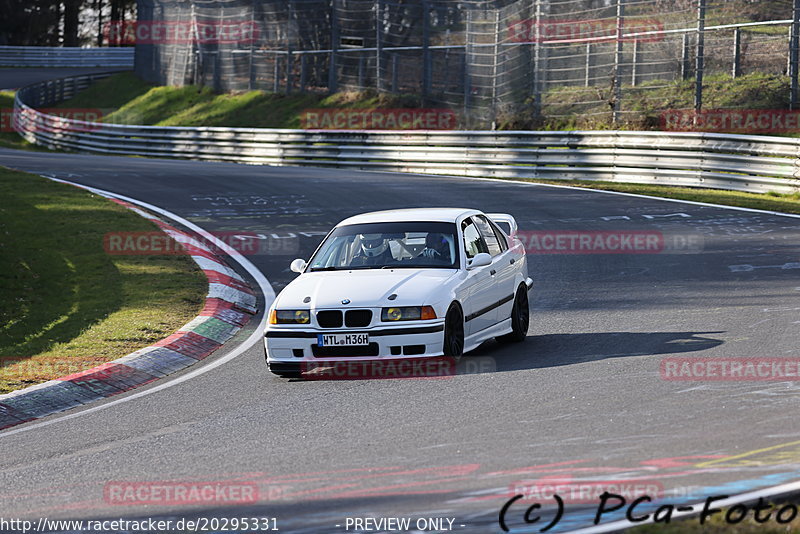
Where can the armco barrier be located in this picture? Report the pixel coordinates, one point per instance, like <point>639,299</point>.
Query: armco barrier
<point>46,56</point>
<point>723,161</point>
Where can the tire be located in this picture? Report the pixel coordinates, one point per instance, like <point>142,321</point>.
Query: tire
<point>520,318</point>
<point>453,346</point>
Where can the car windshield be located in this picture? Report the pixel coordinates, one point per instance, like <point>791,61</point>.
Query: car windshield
<point>388,246</point>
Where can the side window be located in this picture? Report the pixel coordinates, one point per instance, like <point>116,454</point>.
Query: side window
<point>491,239</point>
<point>501,238</point>
<point>473,242</point>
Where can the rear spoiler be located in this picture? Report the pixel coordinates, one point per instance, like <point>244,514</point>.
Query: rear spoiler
<point>506,222</point>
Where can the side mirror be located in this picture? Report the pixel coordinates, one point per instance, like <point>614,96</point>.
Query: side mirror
<point>480,260</point>
<point>299,265</point>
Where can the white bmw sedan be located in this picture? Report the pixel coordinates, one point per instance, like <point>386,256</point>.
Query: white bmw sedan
<point>399,284</point>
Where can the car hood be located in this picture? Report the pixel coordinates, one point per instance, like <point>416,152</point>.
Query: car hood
<point>364,288</point>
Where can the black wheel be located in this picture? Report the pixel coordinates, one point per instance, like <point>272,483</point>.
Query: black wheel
<point>454,332</point>
<point>520,317</point>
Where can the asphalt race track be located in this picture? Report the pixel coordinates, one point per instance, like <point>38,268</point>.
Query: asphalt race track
<point>582,400</point>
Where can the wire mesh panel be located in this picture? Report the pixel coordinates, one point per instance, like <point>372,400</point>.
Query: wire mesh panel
<point>507,63</point>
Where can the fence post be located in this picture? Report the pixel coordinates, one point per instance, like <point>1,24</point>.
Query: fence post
<point>275,71</point>
<point>737,47</point>
<point>252,44</point>
<point>378,45</point>
<point>537,59</point>
<point>634,73</point>
<point>303,72</point>
<point>793,53</point>
<point>495,66</point>
<point>427,68</point>
<point>332,69</point>
<point>289,54</point>
<point>588,66</point>
<point>466,74</point>
<point>685,57</point>
<point>618,62</point>
<point>395,69</point>
<point>699,59</point>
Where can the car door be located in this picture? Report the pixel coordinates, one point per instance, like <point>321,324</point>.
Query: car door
<point>479,286</point>
<point>502,269</point>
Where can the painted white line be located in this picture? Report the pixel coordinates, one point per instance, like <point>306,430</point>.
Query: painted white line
<point>256,336</point>
<point>577,188</point>
<point>697,507</point>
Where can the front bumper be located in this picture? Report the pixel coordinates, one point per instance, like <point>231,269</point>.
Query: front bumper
<point>293,345</point>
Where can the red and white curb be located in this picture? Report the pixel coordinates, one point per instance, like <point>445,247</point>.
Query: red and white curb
<point>230,304</point>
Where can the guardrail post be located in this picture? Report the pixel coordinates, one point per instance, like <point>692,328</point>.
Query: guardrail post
<point>617,90</point>
<point>793,53</point>
<point>737,48</point>
<point>700,55</point>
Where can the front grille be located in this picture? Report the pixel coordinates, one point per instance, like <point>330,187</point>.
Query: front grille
<point>329,319</point>
<point>357,318</point>
<point>358,350</point>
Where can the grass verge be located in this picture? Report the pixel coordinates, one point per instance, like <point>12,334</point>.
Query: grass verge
<point>125,99</point>
<point>65,304</point>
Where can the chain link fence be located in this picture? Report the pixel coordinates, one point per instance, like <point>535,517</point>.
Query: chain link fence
<point>519,63</point>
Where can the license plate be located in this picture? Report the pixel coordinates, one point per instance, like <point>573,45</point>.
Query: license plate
<point>342,340</point>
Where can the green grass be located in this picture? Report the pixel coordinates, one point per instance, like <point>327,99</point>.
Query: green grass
<point>65,304</point>
<point>581,108</point>
<point>129,100</point>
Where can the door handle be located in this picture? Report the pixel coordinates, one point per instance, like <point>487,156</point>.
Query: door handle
<point>492,272</point>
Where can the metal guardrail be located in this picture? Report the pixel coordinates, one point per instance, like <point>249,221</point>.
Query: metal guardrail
<point>723,161</point>
<point>44,56</point>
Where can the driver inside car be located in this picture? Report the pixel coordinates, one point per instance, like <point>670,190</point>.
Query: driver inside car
<point>437,247</point>
<point>374,250</point>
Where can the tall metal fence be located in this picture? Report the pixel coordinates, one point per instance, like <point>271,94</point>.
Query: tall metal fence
<point>491,60</point>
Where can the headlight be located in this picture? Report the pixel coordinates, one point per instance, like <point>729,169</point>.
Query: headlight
<point>408,313</point>
<point>290,317</point>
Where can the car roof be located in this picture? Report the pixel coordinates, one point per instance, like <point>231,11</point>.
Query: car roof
<point>411,215</point>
